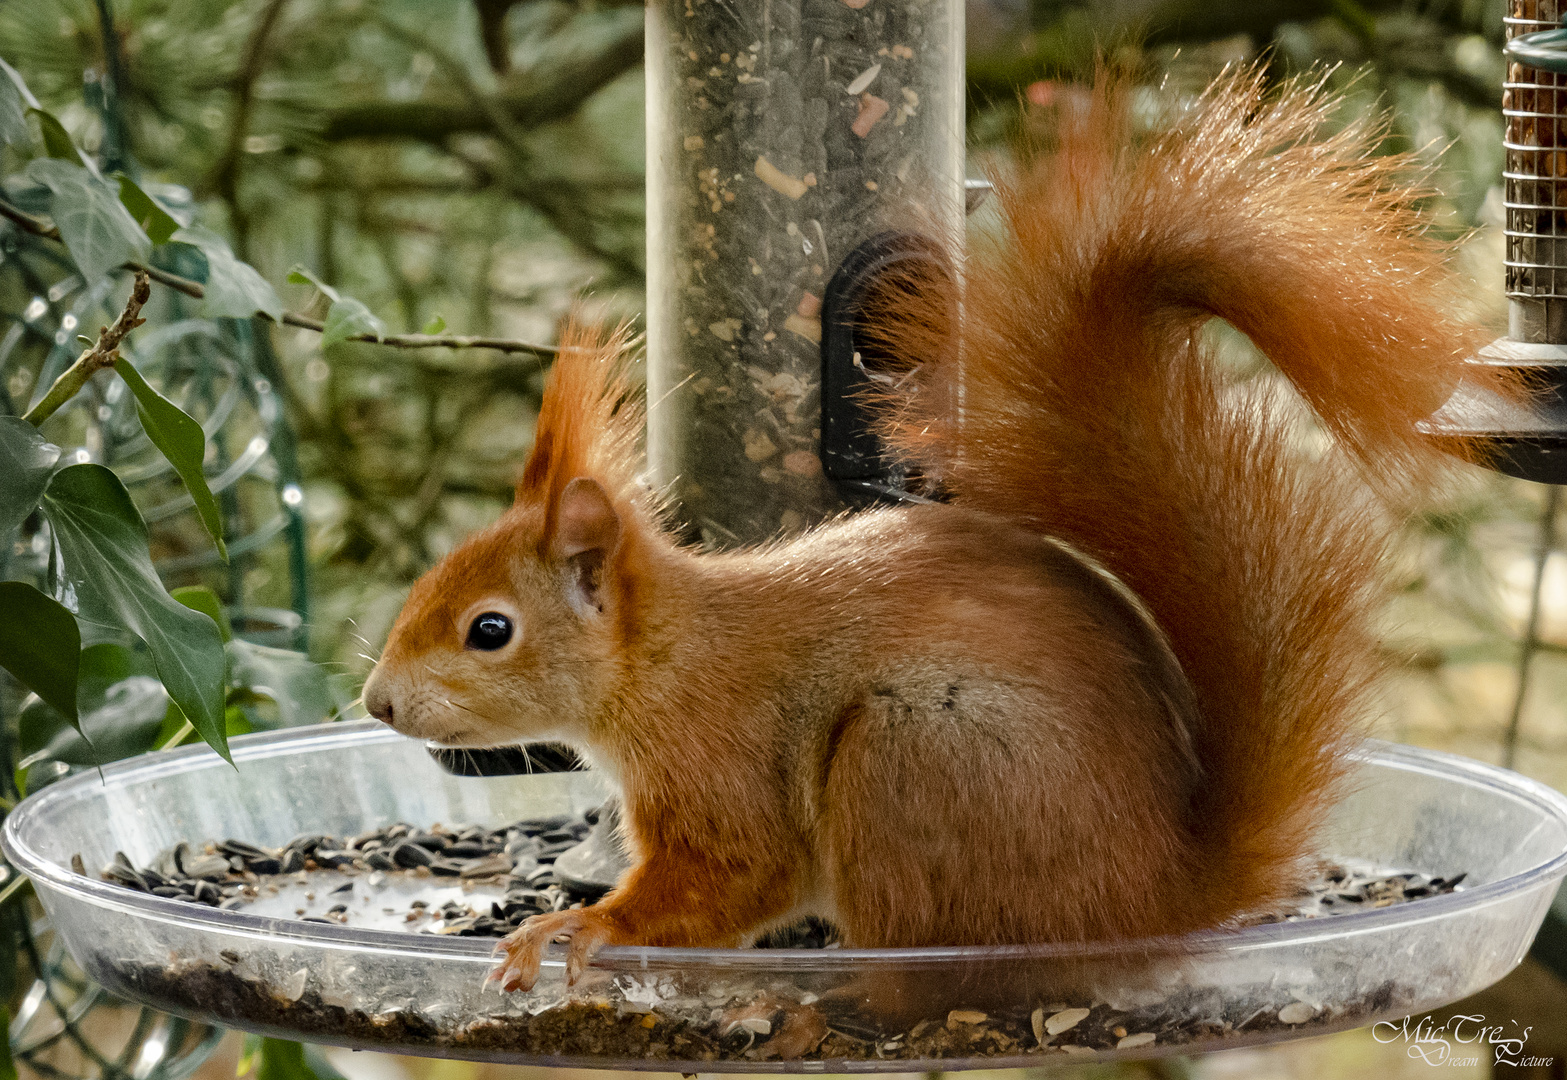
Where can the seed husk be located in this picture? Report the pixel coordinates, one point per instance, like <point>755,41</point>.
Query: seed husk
<point>1297,1012</point>
<point>1065,1020</point>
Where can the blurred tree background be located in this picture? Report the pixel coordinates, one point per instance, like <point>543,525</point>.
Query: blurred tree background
<point>475,166</point>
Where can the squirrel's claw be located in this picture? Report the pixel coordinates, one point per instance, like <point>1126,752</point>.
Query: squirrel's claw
<point>522,951</point>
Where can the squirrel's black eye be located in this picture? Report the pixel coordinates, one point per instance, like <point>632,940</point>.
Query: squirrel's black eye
<point>489,631</point>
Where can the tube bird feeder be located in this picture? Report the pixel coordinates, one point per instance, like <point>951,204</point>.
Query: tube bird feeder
<point>782,137</point>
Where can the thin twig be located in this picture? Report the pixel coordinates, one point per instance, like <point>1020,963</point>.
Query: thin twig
<point>1531,638</point>
<point>426,341</point>
<point>493,111</point>
<point>569,220</point>
<point>29,223</point>
<point>552,91</point>
<point>17,884</point>
<point>101,354</point>
<point>194,289</point>
<point>178,737</point>
<point>225,175</point>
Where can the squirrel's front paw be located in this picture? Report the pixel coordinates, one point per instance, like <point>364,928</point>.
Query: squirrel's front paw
<point>522,951</point>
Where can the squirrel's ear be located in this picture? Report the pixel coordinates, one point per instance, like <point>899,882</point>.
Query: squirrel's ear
<point>587,530</point>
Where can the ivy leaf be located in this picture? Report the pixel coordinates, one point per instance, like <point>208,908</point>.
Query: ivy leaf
<point>296,683</point>
<point>435,326</point>
<point>98,231</point>
<point>57,141</point>
<point>7,1063</point>
<point>202,599</point>
<point>234,289</point>
<point>8,958</point>
<point>40,645</point>
<point>13,112</point>
<point>122,709</point>
<point>278,1059</point>
<point>26,461</point>
<point>182,441</point>
<point>103,543</point>
<point>347,317</point>
<point>302,275</point>
<point>157,222</point>
<point>249,1054</point>
<point>319,1066</point>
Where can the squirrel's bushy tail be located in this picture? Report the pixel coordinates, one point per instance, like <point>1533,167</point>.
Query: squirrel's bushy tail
<point>1090,411</point>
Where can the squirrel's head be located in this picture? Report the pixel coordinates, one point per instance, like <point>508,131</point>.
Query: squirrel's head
<point>513,636</point>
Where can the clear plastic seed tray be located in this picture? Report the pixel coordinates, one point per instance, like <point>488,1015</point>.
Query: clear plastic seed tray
<point>691,1010</point>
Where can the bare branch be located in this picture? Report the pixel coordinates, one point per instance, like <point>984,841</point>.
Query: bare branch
<point>428,341</point>
<point>101,354</point>
<point>550,92</point>
<point>225,175</point>
<point>29,223</point>
<point>194,289</point>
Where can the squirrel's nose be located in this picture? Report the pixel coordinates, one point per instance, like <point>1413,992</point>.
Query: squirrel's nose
<point>378,699</point>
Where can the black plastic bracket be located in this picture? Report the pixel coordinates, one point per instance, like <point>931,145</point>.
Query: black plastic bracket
<point>1529,442</point>
<point>853,456</point>
<point>505,760</point>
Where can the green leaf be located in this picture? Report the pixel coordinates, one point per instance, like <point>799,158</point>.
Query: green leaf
<point>13,112</point>
<point>57,141</point>
<point>103,543</point>
<point>40,644</point>
<point>26,461</point>
<point>436,325</point>
<point>303,275</point>
<point>318,1065</point>
<point>277,1059</point>
<point>236,718</point>
<point>347,317</point>
<point>300,687</point>
<point>182,441</point>
<point>157,222</point>
<point>174,723</point>
<point>249,1054</point>
<point>98,231</point>
<point>234,289</point>
<point>7,1064</point>
<point>8,956</point>
<point>122,706</point>
<point>202,599</point>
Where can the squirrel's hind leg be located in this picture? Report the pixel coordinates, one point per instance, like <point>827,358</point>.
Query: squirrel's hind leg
<point>972,811</point>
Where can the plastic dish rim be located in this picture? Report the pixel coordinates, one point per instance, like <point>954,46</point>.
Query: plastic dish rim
<point>325,736</point>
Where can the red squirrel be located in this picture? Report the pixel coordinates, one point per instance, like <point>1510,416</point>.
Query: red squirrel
<point>1105,691</point>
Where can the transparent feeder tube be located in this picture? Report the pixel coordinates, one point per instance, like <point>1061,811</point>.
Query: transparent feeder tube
<point>781,135</point>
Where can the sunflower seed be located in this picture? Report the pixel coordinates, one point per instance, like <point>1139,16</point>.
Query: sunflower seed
<point>1296,1012</point>
<point>411,855</point>
<point>1065,1020</point>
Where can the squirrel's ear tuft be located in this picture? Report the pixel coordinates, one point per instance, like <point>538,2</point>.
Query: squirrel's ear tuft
<point>587,531</point>
<point>588,424</point>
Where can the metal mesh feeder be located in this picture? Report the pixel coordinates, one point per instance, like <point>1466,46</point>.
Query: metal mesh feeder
<point>1530,443</point>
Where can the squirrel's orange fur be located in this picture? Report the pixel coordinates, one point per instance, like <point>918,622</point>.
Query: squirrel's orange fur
<point>940,724</point>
